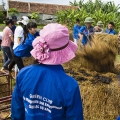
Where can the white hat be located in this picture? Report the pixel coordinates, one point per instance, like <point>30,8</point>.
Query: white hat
<point>24,20</point>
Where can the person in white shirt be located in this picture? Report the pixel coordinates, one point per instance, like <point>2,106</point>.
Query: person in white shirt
<point>19,35</point>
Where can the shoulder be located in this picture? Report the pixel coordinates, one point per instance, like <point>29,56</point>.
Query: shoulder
<point>71,84</point>
<point>19,28</point>
<point>25,71</point>
<point>92,27</point>
<point>83,27</point>
<point>75,26</point>
<point>64,82</point>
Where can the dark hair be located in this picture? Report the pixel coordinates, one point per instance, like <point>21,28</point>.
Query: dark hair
<point>8,21</point>
<point>31,25</point>
<point>25,31</point>
<point>77,20</point>
<point>28,26</point>
<point>14,18</point>
<point>112,23</point>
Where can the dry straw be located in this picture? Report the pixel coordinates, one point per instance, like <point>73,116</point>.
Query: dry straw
<point>100,54</point>
<point>100,101</point>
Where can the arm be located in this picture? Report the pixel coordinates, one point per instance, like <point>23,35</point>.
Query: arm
<point>17,106</point>
<point>10,34</point>
<point>81,32</point>
<point>18,40</point>
<point>74,109</point>
<point>20,34</point>
<point>12,39</point>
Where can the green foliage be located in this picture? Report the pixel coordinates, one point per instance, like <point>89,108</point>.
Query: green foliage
<point>35,15</point>
<point>13,11</point>
<point>99,11</point>
<point>2,16</point>
<point>91,6</point>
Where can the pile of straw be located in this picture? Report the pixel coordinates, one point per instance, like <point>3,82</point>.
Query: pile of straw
<point>101,101</point>
<point>100,54</point>
<point>100,98</point>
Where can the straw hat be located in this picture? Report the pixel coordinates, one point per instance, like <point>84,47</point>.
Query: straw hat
<point>88,20</point>
<point>100,23</point>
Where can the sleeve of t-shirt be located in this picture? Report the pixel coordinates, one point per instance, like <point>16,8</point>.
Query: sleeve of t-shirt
<point>114,32</point>
<point>81,30</point>
<point>106,31</point>
<point>74,110</point>
<point>17,105</point>
<point>10,33</point>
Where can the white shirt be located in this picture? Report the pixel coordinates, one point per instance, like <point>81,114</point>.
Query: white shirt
<point>19,33</point>
<point>1,35</point>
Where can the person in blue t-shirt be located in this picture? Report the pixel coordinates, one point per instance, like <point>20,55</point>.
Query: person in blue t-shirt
<point>86,30</point>
<point>110,29</point>
<point>23,50</point>
<point>43,90</point>
<point>76,30</point>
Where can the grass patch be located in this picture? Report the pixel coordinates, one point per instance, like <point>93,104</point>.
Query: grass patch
<point>2,25</point>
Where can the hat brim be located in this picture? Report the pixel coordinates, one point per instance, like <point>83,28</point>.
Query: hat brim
<point>99,24</point>
<point>61,56</point>
<point>24,23</point>
<point>88,22</point>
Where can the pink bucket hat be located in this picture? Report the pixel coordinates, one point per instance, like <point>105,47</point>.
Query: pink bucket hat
<point>53,47</point>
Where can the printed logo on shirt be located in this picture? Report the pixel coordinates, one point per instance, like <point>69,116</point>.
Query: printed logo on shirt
<point>39,102</point>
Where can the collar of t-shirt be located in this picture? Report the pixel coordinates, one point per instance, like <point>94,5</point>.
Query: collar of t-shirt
<point>30,38</point>
<point>110,30</point>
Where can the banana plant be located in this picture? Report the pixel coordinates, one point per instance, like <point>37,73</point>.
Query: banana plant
<point>98,10</point>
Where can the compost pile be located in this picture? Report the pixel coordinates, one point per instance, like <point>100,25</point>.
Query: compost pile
<point>95,70</point>
<point>100,53</point>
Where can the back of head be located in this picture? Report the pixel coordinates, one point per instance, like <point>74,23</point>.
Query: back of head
<point>14,18</point>
<point>9,21</point>
<point>31,25</point>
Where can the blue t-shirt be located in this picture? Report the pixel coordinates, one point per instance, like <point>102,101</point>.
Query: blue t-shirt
<point>76,30</point>
<point>13,28</point>
<point>46,92</point>
<point>110,31</point>
<point>84,31</point>
<point>23,50</point>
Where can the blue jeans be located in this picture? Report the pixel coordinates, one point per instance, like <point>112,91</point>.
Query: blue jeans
<point>11,46</point>
<point>7,56</point>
